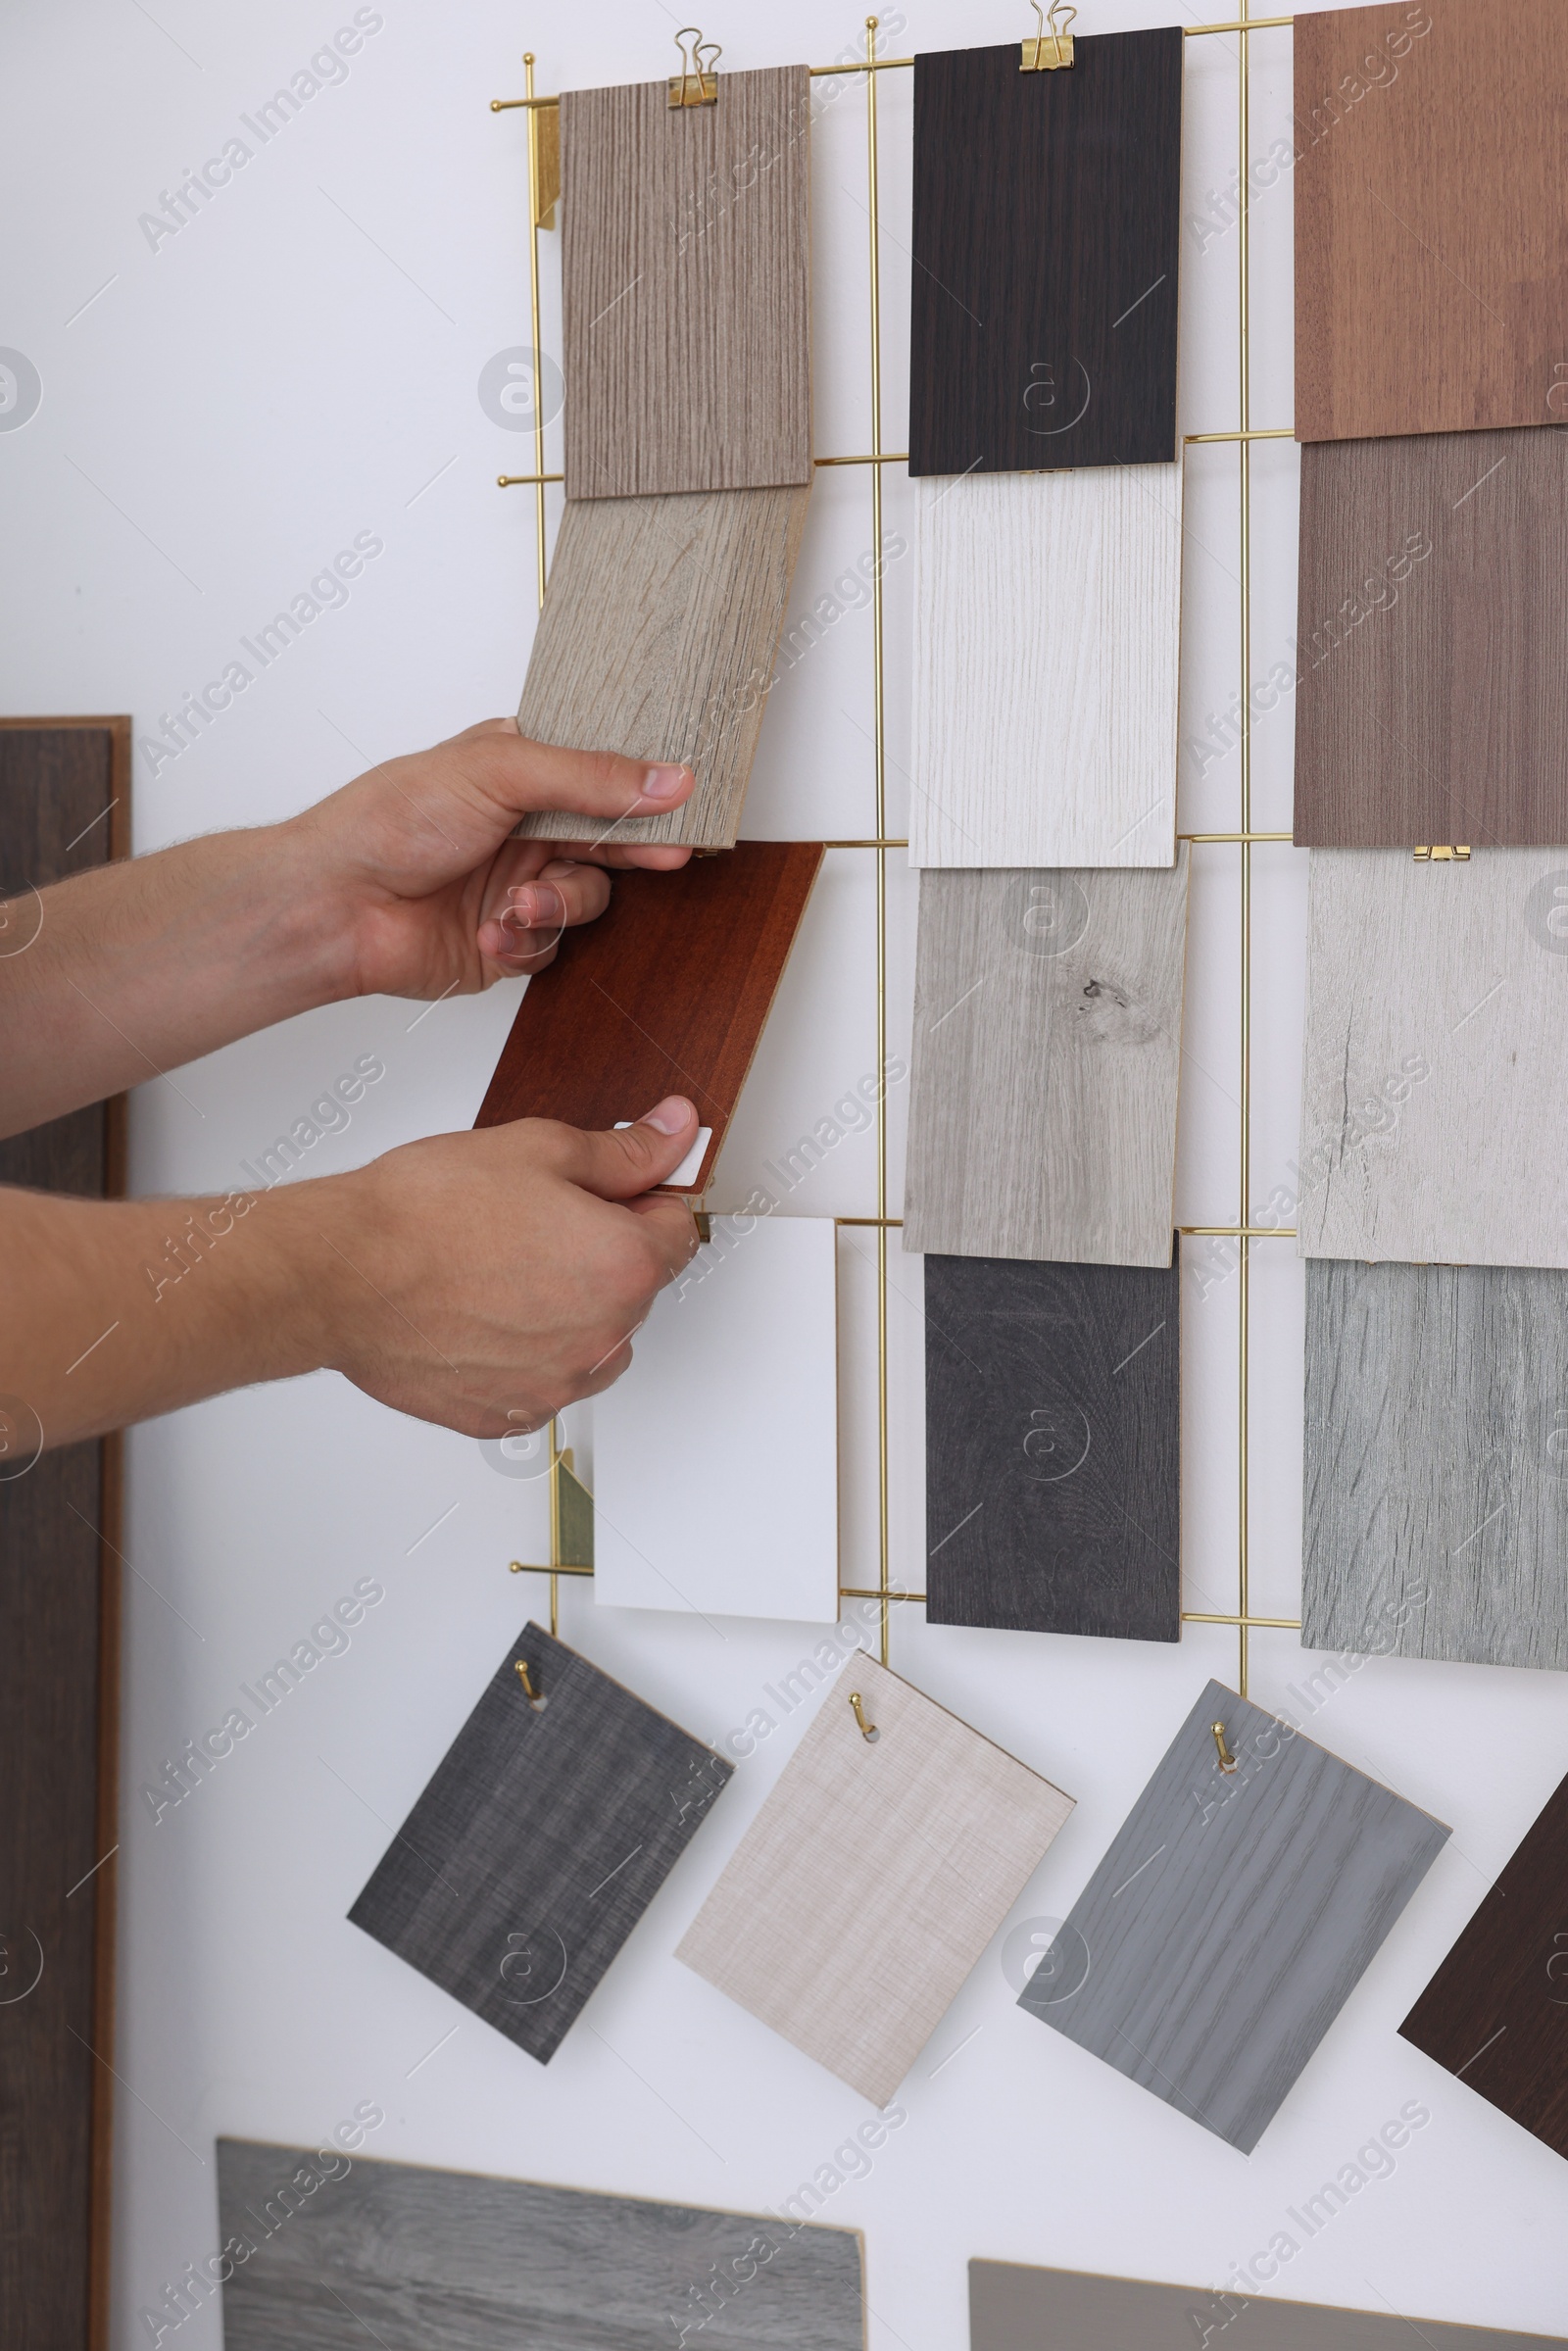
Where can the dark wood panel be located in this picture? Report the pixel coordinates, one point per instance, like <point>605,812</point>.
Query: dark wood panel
<point>1047,230</point>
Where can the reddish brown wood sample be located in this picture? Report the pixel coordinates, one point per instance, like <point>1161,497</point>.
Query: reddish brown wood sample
<point>666,993</point>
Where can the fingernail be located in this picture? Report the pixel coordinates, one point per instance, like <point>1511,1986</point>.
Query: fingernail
<point>531,909</point>
<point>669,1116</point>
<point>664,783</point>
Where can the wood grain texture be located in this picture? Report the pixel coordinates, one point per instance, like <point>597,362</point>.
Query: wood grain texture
<point>1052,1446</point>
<point>1431,219</point>
<point>1495,2014</point>
<point>1046,240</point>
<point>1047,627</point>
<point>1047,1010</point>
<point>1434,1086</point>
<point>411,2257</point>
<point>542,1838</point>
<point>1436,1467</point>
<point>1232,1917</point>
<point>872,1878</point>
<point>666,993</point>
<point>686,286</point>
<point>1433,703</point>
<point>658,638</point>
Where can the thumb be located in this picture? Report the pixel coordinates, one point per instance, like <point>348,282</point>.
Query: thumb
<point>633,1159</point>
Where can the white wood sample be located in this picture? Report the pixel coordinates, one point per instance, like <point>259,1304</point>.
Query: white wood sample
<point>1046,639</point>
<point>716,1456</point>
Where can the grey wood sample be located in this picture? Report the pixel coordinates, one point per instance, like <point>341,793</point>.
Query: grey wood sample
<point>541,1840</point>
<point>1436,1462</point>
<point>658,638</point>
<point>686,286</point>
<point>1433,703</point>
<point>1052,1446</point>
<point>1436,1084</point>
<point>1232,1917</point>
<point>1048,1013</point>
<point>344,2252</point>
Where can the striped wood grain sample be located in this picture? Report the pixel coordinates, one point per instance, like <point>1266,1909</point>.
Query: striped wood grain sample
<point>407,2256</point>
<point>1436,1084</point>
<point>1436,1462</point>
<point>1046,239</point>
<point>1430,218</point>
<point>1052,1446</point>
<point>539,1842</point>
<point>666,993</point>
<point>1047,625</point>
<point>686,286</point>
<point>1496,2011</point>
<point>1232,1917</point>
<point>657,639</point>
<point>1047,1012</point>
<point>872,1878</point>
<point>1433,703</point>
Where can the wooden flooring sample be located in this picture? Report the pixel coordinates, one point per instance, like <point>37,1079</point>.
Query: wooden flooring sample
<point>1436,1462</point>
<point>543,1836</point>
<point>1234,1914</point>
<point>685,268</point>
<point>1046,226</point>
<point>1052,1446</point>
<point>1434,1080</point>
<point>407,2257</point>
<point>698,1506</point>
<point>1496,2011</point>
<point>1430,218</point>
<point>666,993</point>
<point>1047,627</point>
<point>657,639</point>
<point>872,1878</point>
<point>1433,703</point>
<point>1047,1015</point>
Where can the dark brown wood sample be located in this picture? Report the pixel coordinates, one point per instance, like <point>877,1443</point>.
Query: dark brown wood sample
<point>1046,226</point>
<point>1496,2011</point>
<point>666,993</point>
<point>1052,1449</point>
<point>1432,702</point>
<point>65,806</point>
<point>1430,218</point>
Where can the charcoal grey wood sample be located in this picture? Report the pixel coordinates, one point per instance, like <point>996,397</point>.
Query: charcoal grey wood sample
<point>1048,1013</point>
<point>1046,239</point>
<point>542,1838</point>
<point>1052,1446</point>
<point>1436,1470</point>
<point>344,2252</point>
<point>1232,1917</point>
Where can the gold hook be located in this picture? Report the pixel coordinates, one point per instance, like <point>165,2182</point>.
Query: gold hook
<point>1033,59</point>
<point>869,1730</point>
<point>1227,1761</point>
<point>528,1689</point>
<point>696,83</point>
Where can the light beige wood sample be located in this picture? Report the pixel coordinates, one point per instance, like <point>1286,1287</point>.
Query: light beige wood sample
<point>686,286</point>
<point>1047,1015</point>
<point>872,1878</point>
<point>1435,1096</point>
<point>1046,639</point>
<point>658,638</point>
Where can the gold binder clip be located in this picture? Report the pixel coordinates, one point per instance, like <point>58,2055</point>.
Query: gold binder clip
<point>1035,58</point>
<point>1227,1761</point>
<point>528,1691</point>
<point>869,1730</point>
<point>1442,854</point>
<point>696,83</point>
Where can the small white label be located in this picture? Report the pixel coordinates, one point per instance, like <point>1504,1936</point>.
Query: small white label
<point>686,1173</point>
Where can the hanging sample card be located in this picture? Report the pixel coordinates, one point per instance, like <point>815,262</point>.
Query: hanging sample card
<point>657,639</point>
<point>342,2253</point>
<point>550,1823</point>
<point>685,270</point>
<point>1234,1914</point>
<point>1435,1085</point>
<point>1432,705</point>
<point>1436,1462</point>
<point>666,993</point>
<point>1431,220</point>
<point>1052,1446</point>
<point>715,1457</point>
<point>1054,345</point>
<point>1047,642</point>
<point>1496,2013</point>
<point>872,1878</point>
<point>1047,1015</point>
